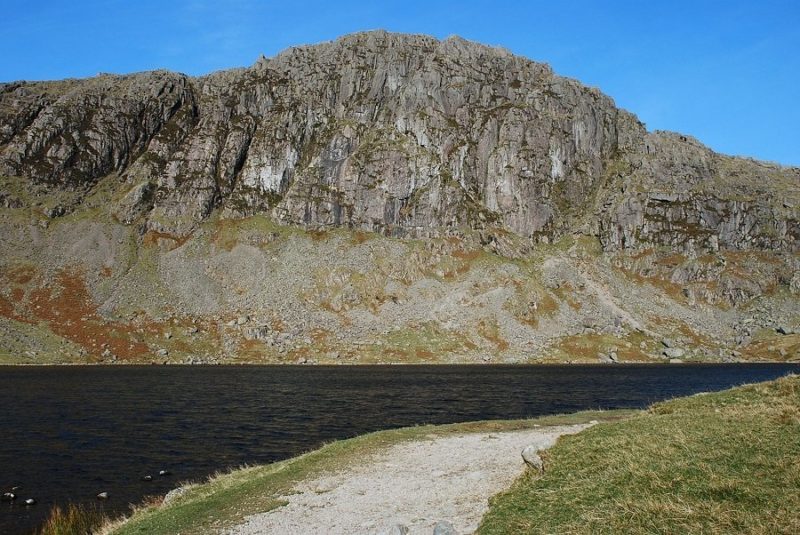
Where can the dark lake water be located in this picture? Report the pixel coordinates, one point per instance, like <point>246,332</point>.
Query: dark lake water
<point>71,432</point>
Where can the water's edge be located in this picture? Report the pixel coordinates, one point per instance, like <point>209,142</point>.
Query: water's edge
<point>81,430</point>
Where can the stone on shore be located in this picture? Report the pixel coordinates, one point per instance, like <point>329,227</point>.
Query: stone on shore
<point>531,457</point>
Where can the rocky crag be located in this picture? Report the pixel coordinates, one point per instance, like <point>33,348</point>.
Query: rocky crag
<point>380,198</point>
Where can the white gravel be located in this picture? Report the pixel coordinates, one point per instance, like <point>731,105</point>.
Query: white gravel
<point>415,484</point>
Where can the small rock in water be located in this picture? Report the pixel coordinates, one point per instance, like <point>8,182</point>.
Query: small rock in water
<point>443,527</point>
<point>784,330</point>
<point>163,472</point>
<point>9,497</point>
<point>102,496</point>
<point>147,478</point>
<point>30,501</point>
<point>531,457</point>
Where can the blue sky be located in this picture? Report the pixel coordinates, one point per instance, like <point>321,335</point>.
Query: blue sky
<point>727,72</point>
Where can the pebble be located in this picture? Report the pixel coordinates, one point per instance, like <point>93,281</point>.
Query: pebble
<point>102,496</point>
<point>30,501</point>
<point>163,472</point>
<point>9,496</point>
<point>147,478</point>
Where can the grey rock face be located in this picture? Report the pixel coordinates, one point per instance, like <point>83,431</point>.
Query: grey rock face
<point>400,134</point>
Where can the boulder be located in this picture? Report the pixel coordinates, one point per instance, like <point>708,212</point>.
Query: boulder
<point>794,283</point>
<point>260,332</point>
<point>673,352</point>
<point>174,494</point>
<point>55,211</point>
<point>531,457</point>
<point>605,359</point>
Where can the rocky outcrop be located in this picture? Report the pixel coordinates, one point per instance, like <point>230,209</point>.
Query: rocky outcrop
<point>400,134</point>
<point>682,195</point>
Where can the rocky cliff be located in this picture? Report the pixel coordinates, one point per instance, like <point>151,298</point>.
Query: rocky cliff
<point>404,136</point>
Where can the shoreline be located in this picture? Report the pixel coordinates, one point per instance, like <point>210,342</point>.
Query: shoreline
<point>395,364</point>
<point>331,458</point>
<point>578,471</point>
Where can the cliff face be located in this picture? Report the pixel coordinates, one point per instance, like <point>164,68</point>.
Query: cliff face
<point>159,217</point>
<point>403,135</point>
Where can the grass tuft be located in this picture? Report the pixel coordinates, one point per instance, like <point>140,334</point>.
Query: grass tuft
<point>74,520</point>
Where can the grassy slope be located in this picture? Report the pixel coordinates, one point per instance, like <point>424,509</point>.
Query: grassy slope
<point>726,462</point>
<point>227,499</point>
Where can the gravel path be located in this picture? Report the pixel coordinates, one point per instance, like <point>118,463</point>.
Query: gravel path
<point>414,484</point>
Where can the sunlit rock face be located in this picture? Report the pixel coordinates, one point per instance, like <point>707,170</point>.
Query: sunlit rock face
<point>400,134</point>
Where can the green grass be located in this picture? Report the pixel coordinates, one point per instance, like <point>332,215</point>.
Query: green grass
<point>226,499</point>
<point>727,462</point>
<point>16,337</point>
